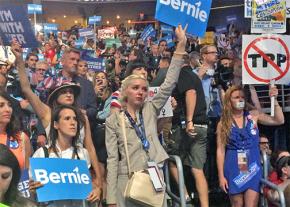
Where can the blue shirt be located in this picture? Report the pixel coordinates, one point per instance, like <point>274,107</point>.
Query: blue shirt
<point>212,97</point>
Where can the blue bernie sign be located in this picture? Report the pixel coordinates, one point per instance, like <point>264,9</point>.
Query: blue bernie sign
<point>50,27</point>
<point>34,8</point>
<point>149,31</point>
<point>195,13</point>
<point>62,179</point>
<point>169,40</point>
<point>166,29</point>
<point>86,32</point>
<point>95,20</point>
<point>23,185</point>
<point>14,24</point>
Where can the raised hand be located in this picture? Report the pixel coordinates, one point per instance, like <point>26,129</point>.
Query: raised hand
<point>180,34</point>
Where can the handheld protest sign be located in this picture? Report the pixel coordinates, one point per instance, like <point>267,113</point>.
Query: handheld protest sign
<point>62,179</point>
<point>269,17</point>
<point>166,111</point>
<point>174,12</point>
<point>266,58</point>
<point>14,23</point>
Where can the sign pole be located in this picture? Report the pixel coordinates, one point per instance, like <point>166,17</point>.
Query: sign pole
<point>95,38</point>
<point>35,31</point>
<point>272,84</point>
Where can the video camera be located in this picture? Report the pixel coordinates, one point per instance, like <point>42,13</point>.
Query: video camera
<point>223,77</point>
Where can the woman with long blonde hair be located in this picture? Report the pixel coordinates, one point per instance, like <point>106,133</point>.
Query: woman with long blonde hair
<point>238,156</point>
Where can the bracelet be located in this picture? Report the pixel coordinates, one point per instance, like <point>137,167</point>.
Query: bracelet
<point>180,53</point>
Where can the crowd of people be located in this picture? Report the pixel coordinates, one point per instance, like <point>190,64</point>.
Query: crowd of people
<point>53,106</point>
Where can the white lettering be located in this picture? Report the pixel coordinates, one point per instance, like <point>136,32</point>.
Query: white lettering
<point>175,4</point>
<point>166,2</point>
<point>183,4</point>
<point>54,177</point>
<point>18,27</point>
<point>41,176</point>
<point>6,16</point>
<point>85,179</point>
<point>62,177</point>
<point>192,9</point>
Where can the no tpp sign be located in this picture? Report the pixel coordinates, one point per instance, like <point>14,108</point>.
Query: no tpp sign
<point>266,58</point>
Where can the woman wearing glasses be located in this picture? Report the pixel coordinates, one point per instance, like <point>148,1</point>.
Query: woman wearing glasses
<point>139,126</point>
<point>238,153</point>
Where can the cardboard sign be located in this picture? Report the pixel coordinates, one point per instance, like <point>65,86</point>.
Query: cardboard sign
<point>34,8</point>
<point>269,17</point>
<point>61,178</point>
<point>96,64</point>
<point>50,27</point>
<point>23,185</point>
<point>169,40</point>
<point>14,23</point>
<point>106,33</point>
<point>110,42</point>
<point>166,111</point>
<point>231,18</point>
<point>208,39</point>
<point>248,9</point>
<point>95,20</point>
<point>195,13</point>
<point>166,29</point>
<point>149,31</point>
<point>266,58</point>
<point>86,32</point>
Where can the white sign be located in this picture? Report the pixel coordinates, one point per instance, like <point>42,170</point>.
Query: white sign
<point>266,58</point>
<point>107,33</point>
<point>248,8</point>
<point>166,111</point>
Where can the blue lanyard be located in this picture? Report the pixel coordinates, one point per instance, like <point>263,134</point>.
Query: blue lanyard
<point>140,133</point>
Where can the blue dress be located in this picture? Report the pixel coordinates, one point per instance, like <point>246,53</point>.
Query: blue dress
<point>243,140</point>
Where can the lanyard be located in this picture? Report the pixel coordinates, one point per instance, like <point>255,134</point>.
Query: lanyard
<point>140,133</point>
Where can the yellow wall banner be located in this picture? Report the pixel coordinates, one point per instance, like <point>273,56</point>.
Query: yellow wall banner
<point>269,17</point>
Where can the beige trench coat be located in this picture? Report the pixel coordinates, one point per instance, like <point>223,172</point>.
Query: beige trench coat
<point>117,176</point>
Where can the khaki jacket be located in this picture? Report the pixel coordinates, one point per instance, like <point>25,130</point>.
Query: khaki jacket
<point>116,161</point>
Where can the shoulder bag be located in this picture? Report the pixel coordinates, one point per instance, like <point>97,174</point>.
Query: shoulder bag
<point>139,187</point>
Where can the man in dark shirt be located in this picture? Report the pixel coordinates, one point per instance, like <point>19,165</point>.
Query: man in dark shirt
<point>191,99</point>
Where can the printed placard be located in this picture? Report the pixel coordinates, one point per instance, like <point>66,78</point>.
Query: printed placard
<point>61,178</point>
<point>14,23</point>
<point>166,111</point>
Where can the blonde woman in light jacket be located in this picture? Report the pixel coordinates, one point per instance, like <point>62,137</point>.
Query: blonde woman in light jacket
<point>133,94</point>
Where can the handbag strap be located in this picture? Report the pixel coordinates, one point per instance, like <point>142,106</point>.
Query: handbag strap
<point>122,116</point>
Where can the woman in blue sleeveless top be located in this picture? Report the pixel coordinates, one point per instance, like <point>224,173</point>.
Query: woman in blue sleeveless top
<point>238,157</point>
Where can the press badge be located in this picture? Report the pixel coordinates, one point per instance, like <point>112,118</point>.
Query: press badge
<point>242,161</point>
<point>155,176</point>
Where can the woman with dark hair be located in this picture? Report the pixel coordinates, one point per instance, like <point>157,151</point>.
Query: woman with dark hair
<point>64,135</point>
<point>65,93</point>
<point>10,132</point>
<point>10,175</point>
<point>238,154</point>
